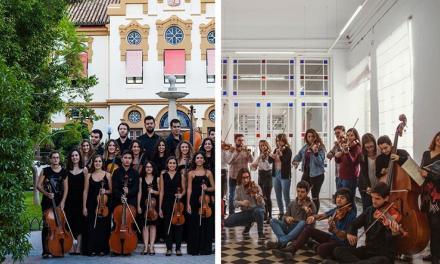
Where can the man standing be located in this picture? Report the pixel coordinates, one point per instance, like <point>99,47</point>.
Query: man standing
<point>339,134</point>
<point>96,141</point>
<point>211,134</point>
<point>123,140</point>
<point>175,137</point>
<point>150,138</point>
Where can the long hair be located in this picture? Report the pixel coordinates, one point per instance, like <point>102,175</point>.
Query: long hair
<point>92,167</point>
<point>144,170</point>
<point>85,159</point>
<point>316,136</point>
<point>69,163</point>
<point>139,144</point>
<point>265,143</point>
<point>179,154</point>
<point>283,138</point>
<point>156,149</point>
<point>355,132</point>
<point>240,174</point>
<point>202,146</point>
<point>117,150</point>
<point>168,160</point>
<point>432,146</point>
<point>366,138</point>
<point>193,160</point>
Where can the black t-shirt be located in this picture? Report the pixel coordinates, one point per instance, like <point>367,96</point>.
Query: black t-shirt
<point>123,146</point>
<point>56,182</point>
<point>383,160</point>
<point>118,178</point>
<point>148,144</point>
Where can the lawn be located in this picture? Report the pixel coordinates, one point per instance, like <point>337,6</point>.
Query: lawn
<point>32,211</point>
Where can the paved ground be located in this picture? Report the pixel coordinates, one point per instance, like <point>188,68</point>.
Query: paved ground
<point>35,256</point>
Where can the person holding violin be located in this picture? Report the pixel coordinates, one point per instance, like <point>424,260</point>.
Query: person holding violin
<point>74,213</point>
<point>172,188</point>
<point>367,176</point>
<point>264,175</point>
<point>312,158</point>
<point>294,220</point>
<point>251,201</point>
<point>281,172</point>
<point>53,184</point>
<point>383,160</point>
<point>339,219</point>
<point>339,132</point>
<point>200,185</point>
<point>174,137</point>
<point>431,195</point>
<point>96,202</point>
<point>138,155</point>
<point>112,160</point>
<point>148,200</point>
<point>86,152</point>
<point>379,242</point>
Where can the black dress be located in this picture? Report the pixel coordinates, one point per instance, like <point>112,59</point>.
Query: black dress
<point>74,204</point>
<point>98,236</point>
<point>170,189</point>
<point>159,162</point>
<point>144,198</point>
<point>199,236</point>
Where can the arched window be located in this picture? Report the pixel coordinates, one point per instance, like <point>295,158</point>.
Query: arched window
<point>184,120</point>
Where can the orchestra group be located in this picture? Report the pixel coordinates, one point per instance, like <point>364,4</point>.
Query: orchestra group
<point>398,217</point>
<point>109,196</point>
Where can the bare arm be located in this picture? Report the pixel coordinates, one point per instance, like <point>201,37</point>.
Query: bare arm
<point>86,190</point>
<point>188,197</point>
<point>66,190</point>
<point>139,196</point>
<point>211,181</point>
<point>161,188</point>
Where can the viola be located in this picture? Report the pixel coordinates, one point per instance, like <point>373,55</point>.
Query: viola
<point>151,213</point>
<point>123,239</point>
<point>204,211</point>
<point>178,217</point>
<point>389,215</point>
<point>111,167</point>
<point>59,241</point>
<point>102,203</point>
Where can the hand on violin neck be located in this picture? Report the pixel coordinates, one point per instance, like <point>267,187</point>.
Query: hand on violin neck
<point>102,191</point>
<point>125,189</point>
<point>178,195</point>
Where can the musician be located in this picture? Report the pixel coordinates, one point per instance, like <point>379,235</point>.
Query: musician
<point>264,176</point>
<point>160,155</point>
<point>174,137</point>
<point>339,217</point>
<point>53,184</point>
<point>281,172</point>
<point>148,185</point>
<point>170,181</point>
<point>96,137</point>
<point>139,156</point>
<point>123,141</point>
<point>252,205</point>
<point>118,179</point>
<point>184,153</point>
<point>111,158</point>
<point>431,195</point>
<point>367,176</point>
<point>240,159</point>
<point>226,156</point>
<point>349,161</point>
<point>294,221</point>
<point>312,158</point>
<point>150,138</point>
<point>379,242</point>
<point>98,228</point>
<point>200,229</point>
<point>382,161</point>
<point>86,152</point>
<point>208,149</point>
<point>339,134</point>
<point>211,134</point>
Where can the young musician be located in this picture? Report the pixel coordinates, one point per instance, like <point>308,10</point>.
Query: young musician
<point>123,141</point>
<point>249,198</point>
<point>379,241</point>
<point>174,137</point>
<point>431,195</point>
<point>312,158</point>
<point>97,182</point>
<point>112,159</point>
<point>367,177</point>
<point>339,217</point>
<point>264,175</point>
<point>53,184</point>
<point>339,134</point>
<point>170,182</point>
<point>160,155</point>
<point>200,229</point>
<point>74,213</point>
<point>184,153</point>
<point>148,186</point>
<point>96,137</point>
<point>150,138</point>
<point>240,159</point>
<point>86,152</point>
<point>138,155</point>
<point>211,134</point>
<point>294,220</point>
<point>118,180</point>
<point>349,159</point>
<point>207,147</point>
<point>281,172</point>
<point>382,161</point>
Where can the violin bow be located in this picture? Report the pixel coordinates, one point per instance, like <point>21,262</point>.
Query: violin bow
<point>201,205</point>
<point>171,219</point>
<point>97,205</point>
<point>68,225</point>
<point>146,212</point>
<point>377,219</point>
<point>132,216</point>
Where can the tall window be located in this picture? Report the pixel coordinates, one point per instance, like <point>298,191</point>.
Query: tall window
<point>175,64</point>
<point>133,67</point>
<point>210,65</point>
<point>395,84</point>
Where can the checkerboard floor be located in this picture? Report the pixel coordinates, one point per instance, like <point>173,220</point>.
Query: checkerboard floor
<point>237,249</point>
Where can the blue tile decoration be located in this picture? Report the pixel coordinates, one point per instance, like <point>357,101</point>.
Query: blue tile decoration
<point>302,61</point>
<point>235,77</point>
<point>225,93</point>
<point>258,104</point>
<point>325,93</point>
<point>302,93</point>
<point>268,104</point>
<point>235,61</point>
<point>324,104</point>
<point>234,93</point>
<point>325,61</point>
<point>290,104</point>
<point>235,104</point>
<point>303,104</point>
<point>292,61</point>
<point>292,93</point>
<point>225,61</point>
<point>291,77</point>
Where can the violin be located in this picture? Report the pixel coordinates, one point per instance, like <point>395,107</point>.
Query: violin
<point>101,207</point>
<point>111,167</point>
<point>339,214</point>
<point>306,205</point>
<point>388,216</point>
<point>226,146</point>
<point>123,239</point>
<point>178,218</point>
<point>204,211</point>
<point>58,241</point>
<point>151,213</point>
<point>253,190</point>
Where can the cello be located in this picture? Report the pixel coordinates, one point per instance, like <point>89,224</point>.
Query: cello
<point>123,239</point>
<point>404,195</point>
<point>58,241</point>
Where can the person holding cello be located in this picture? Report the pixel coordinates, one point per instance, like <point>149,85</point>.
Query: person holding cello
<point>172,188</point>
<point>200,182</point>
<point>53,184</point>
<point>381,227</point>
<point>147,206</point>
<point>382,161</point>
<point>97,189</point>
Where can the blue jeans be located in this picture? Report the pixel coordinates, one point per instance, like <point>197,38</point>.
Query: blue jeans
<point>282,188</point>
<point>232,186</point>
<point>246,217</point>
<point>285,232</point>
<point>350,184</point>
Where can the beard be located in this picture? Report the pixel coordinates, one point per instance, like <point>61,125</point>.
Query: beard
<point>150,129</point>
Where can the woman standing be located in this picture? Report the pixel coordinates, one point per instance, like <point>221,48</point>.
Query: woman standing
<point>138,155</point>
<point>431,195</point>
<point>112,159</point>
<point>86,152</point>
<point>184,153</point>
<point>148,187</point>
<point>160,155</point>
<point>312,158</point>
<point>367,177</point>
<point>264,176</point>
<point>97,182</point>
<point>75,178</point>
<point>281,171</point>
<point>207,147</point>
<point>200,229</point>
<point>170,182</point>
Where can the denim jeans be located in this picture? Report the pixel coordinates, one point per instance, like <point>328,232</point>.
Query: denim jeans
<point>282,188</point>
<point>232,186</point>
<point>350,184</point>
<point>246,217</point>
<point>285,232</point>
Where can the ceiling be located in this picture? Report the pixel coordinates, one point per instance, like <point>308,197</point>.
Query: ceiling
<point>284,24</point>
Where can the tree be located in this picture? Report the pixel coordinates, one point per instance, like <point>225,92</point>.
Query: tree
<point>40,73</point>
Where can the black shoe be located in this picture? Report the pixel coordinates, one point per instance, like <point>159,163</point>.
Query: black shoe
<point>272,245</point>
<point>427,258</point>
<point>289,247</point>
<point>246,230</point>
<point>45,255</point>
<point>281,254</point>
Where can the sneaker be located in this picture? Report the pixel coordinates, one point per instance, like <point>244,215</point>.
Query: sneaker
<point>290,247</point>
<point>272,245</point>
<point>168,253</point>
<point>261,236</point>
<point>281,254</point>
<point>178,252</point>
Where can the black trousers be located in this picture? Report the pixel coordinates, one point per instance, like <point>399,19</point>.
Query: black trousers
<point>434,224</point>
<point>265,182</point>
<point>359,255</point>
<point>315,184</point>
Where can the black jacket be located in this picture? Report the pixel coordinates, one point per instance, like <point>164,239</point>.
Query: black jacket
<point>383,160</point>
<point>286,167</point>
<point>364,179</point>
<point>118,183</point>
<point>148,144</point>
